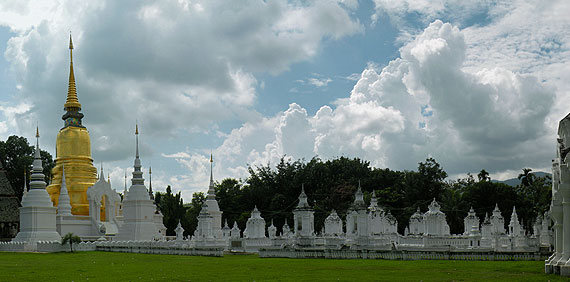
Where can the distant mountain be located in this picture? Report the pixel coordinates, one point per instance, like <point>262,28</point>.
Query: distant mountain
<point>515,181</point>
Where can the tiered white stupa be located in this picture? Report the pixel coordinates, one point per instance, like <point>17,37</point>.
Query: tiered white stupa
<point>138,208</point>
<point>37,214</point>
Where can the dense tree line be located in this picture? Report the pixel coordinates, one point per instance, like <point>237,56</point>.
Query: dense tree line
<point>331,185</point>
<point>17,155</point>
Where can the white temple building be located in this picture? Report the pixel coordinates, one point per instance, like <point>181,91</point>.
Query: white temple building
<point>559,262</point>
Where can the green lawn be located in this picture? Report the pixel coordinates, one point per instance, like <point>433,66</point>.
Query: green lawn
<point>100,266</point>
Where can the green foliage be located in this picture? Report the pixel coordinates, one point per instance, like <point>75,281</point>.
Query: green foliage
<point>70,238</point>
<point>106,266</point>
<point>172,208</point>
<point>17,156</point>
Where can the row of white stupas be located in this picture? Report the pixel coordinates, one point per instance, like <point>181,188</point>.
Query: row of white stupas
<point>134,218</point>
<point>367,228</point>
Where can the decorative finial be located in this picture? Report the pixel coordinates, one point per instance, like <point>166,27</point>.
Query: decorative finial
<point>37,131</point>
<point>211,171</point>
<point>70,42</point>
<point>137,139</point>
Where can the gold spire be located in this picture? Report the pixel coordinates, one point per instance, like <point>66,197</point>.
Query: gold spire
<point>37,131</point>
<point>137,128</point>
<point>72,103</point>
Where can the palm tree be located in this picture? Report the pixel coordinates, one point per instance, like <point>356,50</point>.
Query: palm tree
<point>70,238</point>
<point>526,178</point>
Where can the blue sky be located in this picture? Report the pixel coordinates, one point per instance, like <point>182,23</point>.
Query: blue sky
<point>476,85</point>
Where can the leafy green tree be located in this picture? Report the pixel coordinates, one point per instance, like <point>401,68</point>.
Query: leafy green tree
<point>172,208</point>
<point>70,238</point>
<point>431,178</point>
<point>17,156</point>
<point>483,176</point>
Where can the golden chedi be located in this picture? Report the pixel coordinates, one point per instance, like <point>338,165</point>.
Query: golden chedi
<point>73,149</point>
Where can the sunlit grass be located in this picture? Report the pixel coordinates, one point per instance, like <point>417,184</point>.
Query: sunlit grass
<point>102,266</point>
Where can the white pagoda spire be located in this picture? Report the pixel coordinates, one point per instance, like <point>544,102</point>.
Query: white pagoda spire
<point>150,194</point>
<point>125,191</point>
<point>211,190</point>
<point>25,185</point>
<point>101,175</point>
<point>137,173</point>
<point>64,206</point>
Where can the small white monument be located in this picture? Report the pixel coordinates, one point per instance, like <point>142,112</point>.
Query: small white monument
<point>303,216</point>
<point>470,221</point>
<point>255,226</point>
<point>333,225</point>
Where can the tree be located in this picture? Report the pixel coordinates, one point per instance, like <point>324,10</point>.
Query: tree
<point>70,238</point>
<point>17,156</point>
<point>483,176</point>
<point>526,178</point>
<point>172,208</point>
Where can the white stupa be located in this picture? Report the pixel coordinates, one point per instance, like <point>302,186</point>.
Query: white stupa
<point>213,207</point>
<point>64,202</point>
<point>37,214</point>
<point>138,208</point>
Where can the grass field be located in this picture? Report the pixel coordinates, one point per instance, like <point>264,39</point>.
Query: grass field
<point>100,266</point>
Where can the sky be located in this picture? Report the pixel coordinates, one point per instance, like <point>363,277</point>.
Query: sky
<point>474,84</point>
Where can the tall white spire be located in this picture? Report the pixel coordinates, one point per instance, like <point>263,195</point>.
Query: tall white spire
<point>38,177</point>
<point>125,191</point>
<point>137,173</point>
<point>25,184</point>
<point>150,194</point>
<point>211,190</point>
<point>64,206</point>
